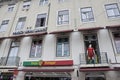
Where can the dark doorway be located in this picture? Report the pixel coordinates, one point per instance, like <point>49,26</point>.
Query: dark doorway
<point>92,39</point>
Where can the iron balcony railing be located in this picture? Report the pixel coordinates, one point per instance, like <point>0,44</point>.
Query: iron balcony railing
<point>97,59</point>
<point>9,61</point>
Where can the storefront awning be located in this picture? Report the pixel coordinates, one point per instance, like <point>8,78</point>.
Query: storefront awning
<point>48,74</point>
<point>92,28</point>
<point>47,70</point>
<point>95,69</point>
<point>113,26</point>
<point>62,31</point>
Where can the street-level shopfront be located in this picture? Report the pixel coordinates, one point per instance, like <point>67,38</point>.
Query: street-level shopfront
<point>5,74</point>
<point>48,70</point>
<point>97,73</point>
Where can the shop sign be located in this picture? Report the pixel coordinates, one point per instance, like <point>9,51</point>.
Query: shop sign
<point>32,63</point>
<point>58,63</point>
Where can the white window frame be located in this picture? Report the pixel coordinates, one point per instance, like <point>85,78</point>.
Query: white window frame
<point>87,14</point>
<point>14,48</point>
<point>40,16</point>
<point>10,8</point>
<point>26,5</point>
<point>35,48</point>
<point>61,20</point>
<point>43,2</point>
<point>4,25</point>
<point>111,11</point>
<point>20,24</point>
<point>62,44</point>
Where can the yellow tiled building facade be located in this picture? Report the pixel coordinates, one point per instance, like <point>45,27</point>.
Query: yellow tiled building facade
<point>59,39</point>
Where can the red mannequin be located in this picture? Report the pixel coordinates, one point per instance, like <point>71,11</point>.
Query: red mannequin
<point>90,52</point>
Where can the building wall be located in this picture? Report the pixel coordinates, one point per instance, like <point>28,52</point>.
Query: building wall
<point>77,45</point>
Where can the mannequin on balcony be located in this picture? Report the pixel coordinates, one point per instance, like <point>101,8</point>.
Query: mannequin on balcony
<point>90,54</point>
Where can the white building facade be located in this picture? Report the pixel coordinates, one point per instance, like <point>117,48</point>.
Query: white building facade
<point>49,40</point>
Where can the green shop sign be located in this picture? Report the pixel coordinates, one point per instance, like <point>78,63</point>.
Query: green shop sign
<point>32,63</point>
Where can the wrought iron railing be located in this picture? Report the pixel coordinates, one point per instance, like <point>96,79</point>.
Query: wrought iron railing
<point>9,61</point>
<point>97,59</point>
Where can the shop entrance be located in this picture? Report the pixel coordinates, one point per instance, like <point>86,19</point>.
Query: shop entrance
<point>47,76</point>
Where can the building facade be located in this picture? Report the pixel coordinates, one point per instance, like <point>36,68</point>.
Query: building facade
<point>59,40</point>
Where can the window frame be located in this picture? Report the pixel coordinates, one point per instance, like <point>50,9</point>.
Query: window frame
<point>11,8</point>
<point>87,18</point>
<point>26,5</point>
<point>22,22</point>
<point>63,22</point>
<point>63,48</point>
<point>14,46</point>
<point>43,2</point>
<point>117,49</point>
<point>113,9</point>
<point>44,23</point>
<point>35,53</point>
<point>4,24</point>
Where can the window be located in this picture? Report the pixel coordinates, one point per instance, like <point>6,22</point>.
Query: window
<point>10,8</point>
<point>13,53</point>
<point>117,41</point>
<point>41,20</point>
<point>87,14</point>
<point>36,49</point>
<point>63,47</point>
<point>26,4</point>
<point>21,23</point>
<point>112,10</point>
<point>14,48</point>
<point>43,2</point>
<point>63,17</point>
<point>61,1</point>
<point>4,25</point>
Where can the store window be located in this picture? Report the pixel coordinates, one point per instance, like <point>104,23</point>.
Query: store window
<point>41,20</point>
<point>43,2</point>
<point>117,41</point>
<point>21,23</point>
<point>87,14</point>
<point>4,25</point>
<point>26,5</point>
<point>112,10</point>
<point>63,17</point>
<point>10,8</point>
<point>36,49</point>
<point>13,53</point>
<point>63,47</point>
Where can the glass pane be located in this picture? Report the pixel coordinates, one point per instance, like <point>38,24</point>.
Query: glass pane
<point>117,12</point>
<point>59,50</point>
<point>20,25</point>
<point>3,28</point>
<point>117,42</point>
<point>66,49</point>
<point>110,13</point>
<point>13,52</point>
<point>36,49</point>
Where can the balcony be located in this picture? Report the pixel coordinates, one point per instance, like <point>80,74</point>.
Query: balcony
<point>9,61</point>
<point>100,60</point>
